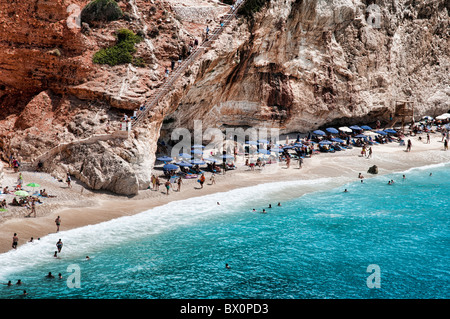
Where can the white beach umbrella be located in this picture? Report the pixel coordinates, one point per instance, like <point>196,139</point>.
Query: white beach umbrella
<point>443,116</point>
<point>345,129</point>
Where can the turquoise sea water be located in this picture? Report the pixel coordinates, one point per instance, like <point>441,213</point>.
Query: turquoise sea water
<point>314,246</point>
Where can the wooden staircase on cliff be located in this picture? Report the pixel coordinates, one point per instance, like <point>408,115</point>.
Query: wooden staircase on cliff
<point>403,110</point>
<point>162,91</point>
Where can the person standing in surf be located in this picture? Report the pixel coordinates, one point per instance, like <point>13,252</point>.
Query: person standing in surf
<point>59,245</point>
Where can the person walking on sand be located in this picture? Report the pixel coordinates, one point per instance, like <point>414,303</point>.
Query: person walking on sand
<point>408,147</point>
<point>179,182</point>
<point>20,180</point>
<point>157,183</point>
<point>33,208</point>
<point>428,138</point>
<point>369,155</point>
<point>202,180</point>
<point>68,181</point>
<point>168,184</point>
<point>213,179</point>
<point>445,145</point>
<point>15,241</point>
<point>153,182</point>
<point>59,245</point>
<point>58,223</point>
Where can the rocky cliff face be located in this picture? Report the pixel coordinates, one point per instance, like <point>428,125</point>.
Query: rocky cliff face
<point>302,64</point>
<point>53,96</point>
<point>295,65</point>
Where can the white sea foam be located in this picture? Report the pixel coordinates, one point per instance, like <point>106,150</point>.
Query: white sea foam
<point>89,239</point>
<point>426,167</point>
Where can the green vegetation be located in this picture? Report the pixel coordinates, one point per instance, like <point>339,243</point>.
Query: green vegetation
<point>251,7</point>
<point>101,11</point>
<point>121,52</point>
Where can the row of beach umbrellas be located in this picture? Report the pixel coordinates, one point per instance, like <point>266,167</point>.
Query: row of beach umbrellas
<point>350,129</point>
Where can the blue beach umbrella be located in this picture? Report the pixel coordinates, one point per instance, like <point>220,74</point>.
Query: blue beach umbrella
<point>251,143</point>
<point>356,127</point>
<point>336,139</point>
<point>390,131</point>
<point>170,167</point>
<point>325,142</point>
<point>184,164</point>
<point>184,155</point>
<point>263,151</point>
<point>165,159</point>
<point>197,146</point>
<point>366,127</point>
<point>361,136</point>
<point>381,132</point>
<point>263,141</point>
<point>332,130</point>
<point>319,132</point>
<point>198,162</point>
<point>209,159</point>
<point>276,150</point>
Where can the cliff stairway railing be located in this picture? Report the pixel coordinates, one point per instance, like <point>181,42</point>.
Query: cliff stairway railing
<point>162,91</point>
<point>62,146</point>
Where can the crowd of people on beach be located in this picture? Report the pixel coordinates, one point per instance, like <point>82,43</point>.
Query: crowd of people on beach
<point>302,148</point>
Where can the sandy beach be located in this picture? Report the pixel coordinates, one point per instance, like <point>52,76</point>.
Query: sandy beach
<point>79,206</point>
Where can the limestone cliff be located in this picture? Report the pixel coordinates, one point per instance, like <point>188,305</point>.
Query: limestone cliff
<point>301,64</point>
<point>61,109</point>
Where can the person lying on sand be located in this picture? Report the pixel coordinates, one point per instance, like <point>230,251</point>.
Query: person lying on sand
<point>43,193</point>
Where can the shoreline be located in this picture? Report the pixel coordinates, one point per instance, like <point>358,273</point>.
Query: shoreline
<point>80,207</point>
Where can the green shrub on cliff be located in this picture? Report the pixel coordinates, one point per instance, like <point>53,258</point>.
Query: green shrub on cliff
<point>101,11</point>
<point>121,52</point>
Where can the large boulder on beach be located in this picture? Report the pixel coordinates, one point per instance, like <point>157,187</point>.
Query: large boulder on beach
<point>373,170</point>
